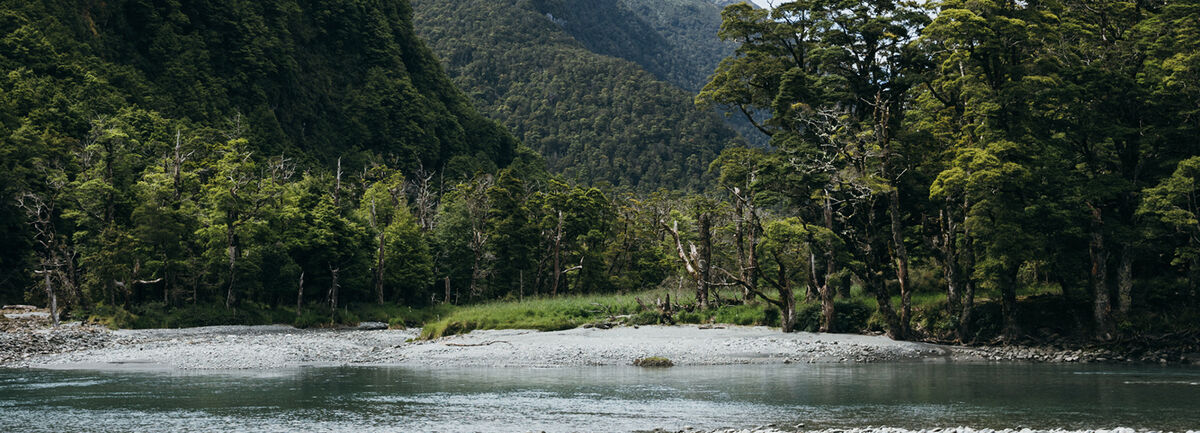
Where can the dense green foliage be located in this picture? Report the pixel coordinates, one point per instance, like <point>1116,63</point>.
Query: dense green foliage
<point>593,117</point>
<point>93,94</point>
<point>990,145</point>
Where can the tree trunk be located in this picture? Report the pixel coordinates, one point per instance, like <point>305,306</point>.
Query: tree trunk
<point>830,264</point>
<point>901,257</point>
<point>704,263</point>
<point>557,255</point>
<point>53,297</point>
<point>884,301</point>
<point>166,289</point>
<point>787,300</point>
<point>333,288</point>
<point>231,244</point>
<point>1099,278</point>
<point>300,294</point>
<point>337,187</point>
<point>1125,281</point>
<point>748,273</point>
<point>788,315</point>
<point>739,241</point>
<point>948,242</point>
<point>877,282</point>
<point>476,272</point>
<point>379,269</point>
<point>1008,295</point>
<point>968,306</point>
<point>72,278</point>
<point>968,280</point>
<point>826,293</point>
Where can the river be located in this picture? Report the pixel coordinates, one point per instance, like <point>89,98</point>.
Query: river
<point>619,399</point>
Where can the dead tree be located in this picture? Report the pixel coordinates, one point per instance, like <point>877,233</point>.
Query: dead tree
<point>39,211</point>
<point>381,229</point>
<point>696,260</point>
<point>332,296</point>
<point>424,198</point>
<point>557,246</point>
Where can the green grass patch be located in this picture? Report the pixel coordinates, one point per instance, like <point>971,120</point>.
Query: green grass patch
<point>543,314</point>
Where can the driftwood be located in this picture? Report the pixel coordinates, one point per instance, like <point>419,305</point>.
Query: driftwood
<point>486,343</point>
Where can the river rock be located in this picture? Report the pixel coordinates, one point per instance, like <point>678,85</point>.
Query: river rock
<point>371,326</point>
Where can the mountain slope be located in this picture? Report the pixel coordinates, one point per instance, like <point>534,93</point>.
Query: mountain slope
<point>595,118</point>
<point>675,40</point>
<point>325,78</point>
<point>314,80</point>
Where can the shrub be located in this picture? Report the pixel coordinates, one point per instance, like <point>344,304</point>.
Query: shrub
<point>744,315</point>
<point>653,361</point>
<point>643,318</point>
<point>689,317</point>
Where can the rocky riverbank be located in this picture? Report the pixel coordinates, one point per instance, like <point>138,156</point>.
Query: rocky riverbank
<point>32,343</point>
<point>26,334</point>
<point>1158,355</point>
<point>264,347</point>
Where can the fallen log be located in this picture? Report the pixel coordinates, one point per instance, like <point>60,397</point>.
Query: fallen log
<point>486,343</point>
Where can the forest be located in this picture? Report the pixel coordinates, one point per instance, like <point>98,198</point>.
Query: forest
<point>954,171</point>
<point>600,106</point>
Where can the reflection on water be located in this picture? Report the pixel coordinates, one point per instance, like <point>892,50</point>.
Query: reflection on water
<point>918,395</point>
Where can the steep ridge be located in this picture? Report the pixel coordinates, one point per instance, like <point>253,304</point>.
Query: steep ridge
<point>324,78</point>
<point>595,117</point>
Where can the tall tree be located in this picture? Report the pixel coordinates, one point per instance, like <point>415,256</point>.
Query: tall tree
<point>987,73</point>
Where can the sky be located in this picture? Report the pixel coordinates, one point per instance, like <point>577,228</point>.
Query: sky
<point>764,3</point>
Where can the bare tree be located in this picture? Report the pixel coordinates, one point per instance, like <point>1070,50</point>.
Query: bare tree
<point>424,198</point>
<point>39,211</point>
<point>332,296</point>
<point>696,260</point>
<point>478,206</point>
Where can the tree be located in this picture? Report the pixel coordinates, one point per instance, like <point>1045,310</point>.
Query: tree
<point>232,213</point>
<point>402,259</point>
<point>834,76</point>
<point>41,212</point>
<point>164,216</point>
<point>789,248</point>
<point>461,236</point>
<point>987,70</point>
<point>1174,202</point>
<point>515,240</point>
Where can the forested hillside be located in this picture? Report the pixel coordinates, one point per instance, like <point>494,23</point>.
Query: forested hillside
<point>595,118</point>
<point>96,96</point>
<point>978,172</point>
<point>675,40</point>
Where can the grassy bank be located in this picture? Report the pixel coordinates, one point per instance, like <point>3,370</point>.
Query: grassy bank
<point>548,314</point>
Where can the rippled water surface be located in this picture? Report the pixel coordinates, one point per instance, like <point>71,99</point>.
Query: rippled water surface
<point>603,398</point>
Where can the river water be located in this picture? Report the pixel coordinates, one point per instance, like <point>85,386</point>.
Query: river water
<point>622,399</point>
